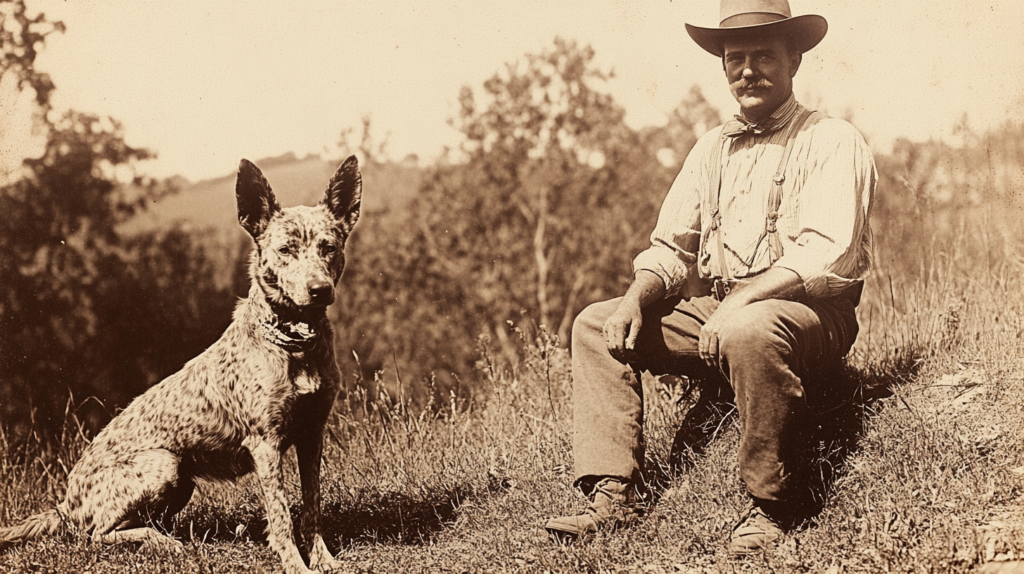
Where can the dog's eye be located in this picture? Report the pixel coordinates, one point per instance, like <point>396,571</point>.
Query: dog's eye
<point>285,250</point>
<point>327,248</point>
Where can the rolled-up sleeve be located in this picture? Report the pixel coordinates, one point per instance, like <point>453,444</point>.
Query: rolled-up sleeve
<point>676,237</point>
<point>830,246</point>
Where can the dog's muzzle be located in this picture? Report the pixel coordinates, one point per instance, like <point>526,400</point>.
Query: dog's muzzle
<point>320,292</point>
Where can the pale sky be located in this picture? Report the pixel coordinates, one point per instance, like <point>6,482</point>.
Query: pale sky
<point>205,83</point>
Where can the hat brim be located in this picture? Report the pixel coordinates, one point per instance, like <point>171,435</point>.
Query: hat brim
<point>803,32</point>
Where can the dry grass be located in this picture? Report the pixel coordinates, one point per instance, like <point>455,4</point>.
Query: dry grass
<point>922,472</point>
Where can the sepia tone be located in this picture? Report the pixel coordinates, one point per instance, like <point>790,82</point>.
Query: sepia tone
<point>491,218</point>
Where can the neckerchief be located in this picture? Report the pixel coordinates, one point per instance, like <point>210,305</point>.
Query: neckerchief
<point>740,125</point>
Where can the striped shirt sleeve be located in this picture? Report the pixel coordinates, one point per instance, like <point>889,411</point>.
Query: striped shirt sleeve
<point>830,248</point>
<point>675,240</point>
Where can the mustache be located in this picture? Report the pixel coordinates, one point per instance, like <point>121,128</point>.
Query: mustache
<point>745,85</point>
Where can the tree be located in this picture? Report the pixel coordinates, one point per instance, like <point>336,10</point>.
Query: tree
<point>938,186</point>
<point>546,156</point>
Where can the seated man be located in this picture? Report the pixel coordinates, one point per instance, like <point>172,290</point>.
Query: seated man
<point>751,283</point>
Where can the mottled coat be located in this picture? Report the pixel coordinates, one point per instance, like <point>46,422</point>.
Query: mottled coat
<point>267,384</point>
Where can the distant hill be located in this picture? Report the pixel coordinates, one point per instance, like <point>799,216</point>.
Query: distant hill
<point>210,204</point>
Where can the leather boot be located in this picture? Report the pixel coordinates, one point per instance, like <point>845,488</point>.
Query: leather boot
<point>612,506</point>
<point>755,531</point>
<point>763,523</point>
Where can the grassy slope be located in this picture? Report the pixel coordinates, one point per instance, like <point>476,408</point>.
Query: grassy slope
<point>926,476</point>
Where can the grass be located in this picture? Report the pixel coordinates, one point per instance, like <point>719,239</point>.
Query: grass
<point>922,472</point>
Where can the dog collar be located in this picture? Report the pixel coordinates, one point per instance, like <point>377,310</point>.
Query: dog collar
<point>294,337</point>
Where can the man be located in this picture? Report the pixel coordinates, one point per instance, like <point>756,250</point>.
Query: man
<point>750,284</point>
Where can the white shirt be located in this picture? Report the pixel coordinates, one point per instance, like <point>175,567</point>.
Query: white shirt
<point>823,219</point>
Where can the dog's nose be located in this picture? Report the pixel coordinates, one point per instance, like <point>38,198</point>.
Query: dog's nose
<point>320,292</point>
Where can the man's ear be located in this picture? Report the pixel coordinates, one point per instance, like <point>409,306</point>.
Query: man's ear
<point>795,58</point>
<point>344,194</point>
<point>256,201</point>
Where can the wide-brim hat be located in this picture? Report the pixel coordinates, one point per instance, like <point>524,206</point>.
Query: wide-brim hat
<point>746,18</point>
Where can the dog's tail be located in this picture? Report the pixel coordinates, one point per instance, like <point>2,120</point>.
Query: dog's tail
<point>32,527</point>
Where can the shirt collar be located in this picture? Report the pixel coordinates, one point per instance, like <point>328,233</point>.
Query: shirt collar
<point>780,117</point>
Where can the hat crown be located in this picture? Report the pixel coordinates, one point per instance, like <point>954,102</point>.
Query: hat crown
<point>760,18</point>
<point>752,12</point>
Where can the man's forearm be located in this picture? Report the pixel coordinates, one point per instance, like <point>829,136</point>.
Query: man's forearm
<point>775,283</point>
<point>647,288</point>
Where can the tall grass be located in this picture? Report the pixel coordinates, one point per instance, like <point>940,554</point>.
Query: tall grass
<point>959,301</point>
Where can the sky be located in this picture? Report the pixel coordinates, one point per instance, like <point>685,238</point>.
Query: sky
<point>205,83</point>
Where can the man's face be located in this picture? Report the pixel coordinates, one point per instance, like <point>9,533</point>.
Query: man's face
<point>760,73</point>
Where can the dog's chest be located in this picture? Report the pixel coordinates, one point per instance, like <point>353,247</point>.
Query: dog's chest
<point>304,377</point>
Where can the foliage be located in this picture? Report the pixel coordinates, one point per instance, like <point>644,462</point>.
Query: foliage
<point>57,240</point>
<point>21,38</point>
<point>84,312</point>
<point>940,209</point>
<point>936,183</point>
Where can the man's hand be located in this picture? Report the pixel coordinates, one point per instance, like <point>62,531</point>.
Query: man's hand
<point>775,283</point>
<point>710,333</point>
<point>622,329</point>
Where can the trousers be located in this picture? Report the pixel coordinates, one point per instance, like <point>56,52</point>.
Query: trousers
<point>768,360</point>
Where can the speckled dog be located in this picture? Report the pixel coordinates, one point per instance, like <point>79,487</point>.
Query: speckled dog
<point>267,384</point>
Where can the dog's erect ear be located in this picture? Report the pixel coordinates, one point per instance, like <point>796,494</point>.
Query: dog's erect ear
<point>344,193</point>
<point>256,202</point>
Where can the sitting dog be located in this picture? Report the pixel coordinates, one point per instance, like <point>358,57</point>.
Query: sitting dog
<point>268,383</point>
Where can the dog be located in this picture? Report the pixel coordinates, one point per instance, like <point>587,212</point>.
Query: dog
<point>267,384</point>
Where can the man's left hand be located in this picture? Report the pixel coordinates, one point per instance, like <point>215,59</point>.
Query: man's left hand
<point>710,333</point>
<point>775,283</point>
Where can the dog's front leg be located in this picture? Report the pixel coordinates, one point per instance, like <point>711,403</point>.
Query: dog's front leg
<point>308,449</point>
<point>267,458</point>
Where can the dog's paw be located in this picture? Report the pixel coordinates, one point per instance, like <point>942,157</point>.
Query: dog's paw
<point>321,560</point>
<point>328,564</point>
<point>162,543</point>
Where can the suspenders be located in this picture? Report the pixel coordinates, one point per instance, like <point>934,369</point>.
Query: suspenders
<point>774,199</point>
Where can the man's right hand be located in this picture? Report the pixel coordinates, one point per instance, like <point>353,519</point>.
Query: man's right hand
<point>622,329</point>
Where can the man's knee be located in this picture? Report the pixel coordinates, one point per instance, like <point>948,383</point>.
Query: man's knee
<point>772,332</point>
<point>757,329</point>
<point>761,350</point>
<point>589,324</point>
